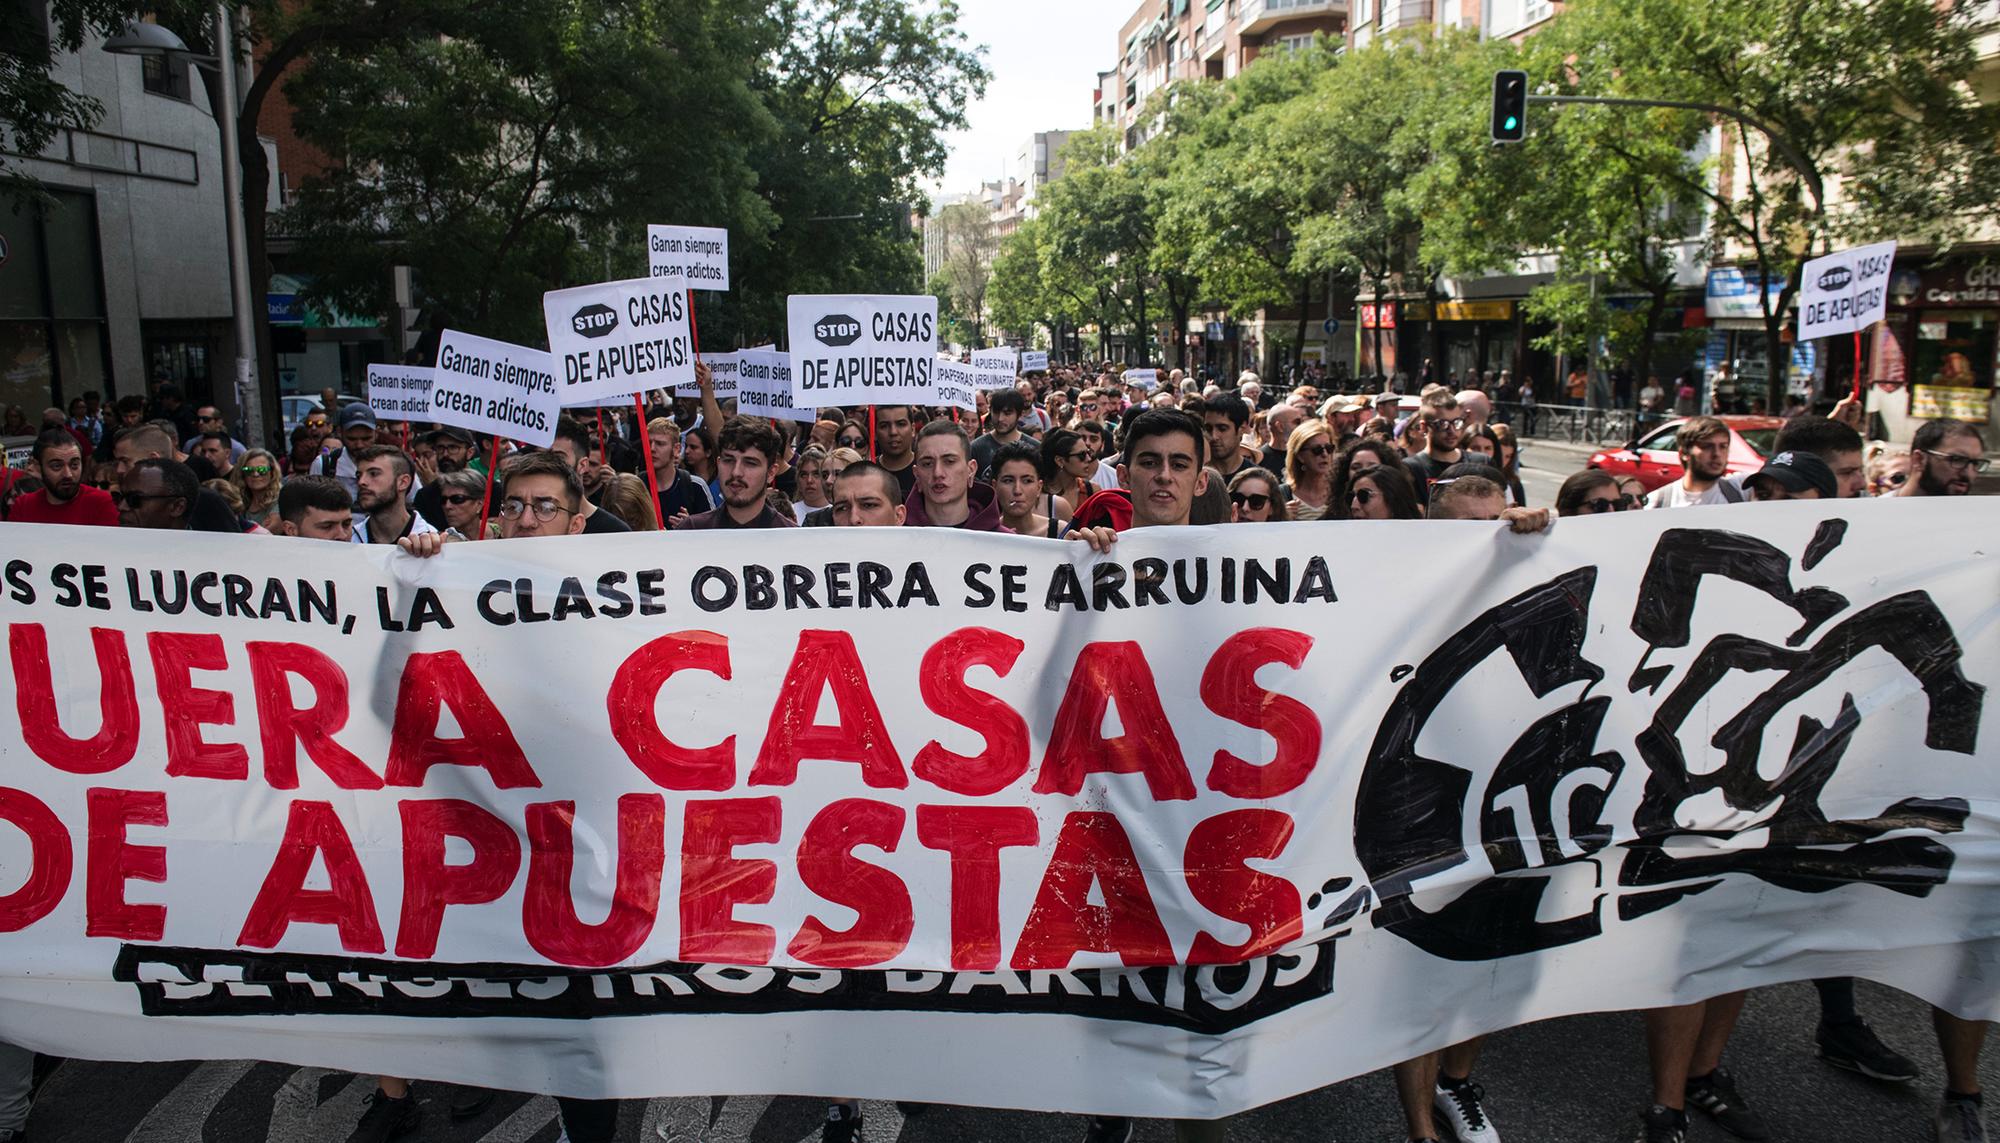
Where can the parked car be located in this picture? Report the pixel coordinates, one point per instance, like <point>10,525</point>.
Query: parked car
<point>1655,461</point>
<point>296,409</point>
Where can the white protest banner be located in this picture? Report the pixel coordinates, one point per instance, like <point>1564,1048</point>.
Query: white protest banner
<point>724,369</point>
<point>495,387</point>
<point>399,392</point>
<point>696,255</point>
<point>615,339</point>
<point>957,383</point>
<point>1143,378</point>
<point>1845,291</point>
<point>999,358</point>
<point>1034,361</point>
<point>765,387</point>
<point>1177,830</point>
<point>862,349</point>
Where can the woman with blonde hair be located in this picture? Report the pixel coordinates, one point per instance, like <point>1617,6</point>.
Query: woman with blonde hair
<point>256,478</point>
<point>1309,455</point>
<point>627,497</point>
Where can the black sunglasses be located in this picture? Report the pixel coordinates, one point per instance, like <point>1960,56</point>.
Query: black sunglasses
<point>1362,496</point>
<point>1257,501</point>
<point>851,442</point>
<point>1600,507</point>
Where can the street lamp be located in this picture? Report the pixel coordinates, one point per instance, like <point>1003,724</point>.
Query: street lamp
<point>146,39</point>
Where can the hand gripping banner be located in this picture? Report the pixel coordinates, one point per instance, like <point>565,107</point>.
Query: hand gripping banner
<point>1223,816</point>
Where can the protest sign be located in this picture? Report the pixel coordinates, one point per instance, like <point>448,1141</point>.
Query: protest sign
<point>956,383</point>
<point>399,392</point>
<point>1845,291</point>
<point>1000,359</point>
<point>862,349</point>
<point>1034,361</point>
<point>495,387</point>
<point>1177,830</point>
<point>1143,378</point>
<point>764,387</point>
<point>615,339</point>
<point>723,369</point>
<point>696,255</point>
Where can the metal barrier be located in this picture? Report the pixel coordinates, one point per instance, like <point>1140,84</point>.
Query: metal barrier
<point>1577,424</point>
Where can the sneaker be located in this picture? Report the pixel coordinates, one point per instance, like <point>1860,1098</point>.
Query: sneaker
<point>843,1124</point>
<point>1716,1094</point>
<point>472,1102</point>
<point>1108,1129</point>
<point>386,1118</point>
<point>1960,1121</point>
<point>1660,1124</point>
<point>1463,1108</point>
<point>1852,1044</point>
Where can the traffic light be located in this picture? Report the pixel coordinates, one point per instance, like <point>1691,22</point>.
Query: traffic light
<point>1510,106</point>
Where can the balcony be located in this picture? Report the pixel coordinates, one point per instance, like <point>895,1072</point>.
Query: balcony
<point>1255,16</point>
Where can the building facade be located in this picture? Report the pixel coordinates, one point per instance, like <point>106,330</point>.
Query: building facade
<point>120,280</point>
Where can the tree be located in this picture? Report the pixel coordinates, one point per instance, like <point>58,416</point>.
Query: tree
<point>1025,293</point>
<point>970,242</point>
<point>502,162</point>
<point>1875,131</point>
<point>1099,232</point>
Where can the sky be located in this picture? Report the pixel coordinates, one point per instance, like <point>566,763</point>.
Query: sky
<point>1043,56</point>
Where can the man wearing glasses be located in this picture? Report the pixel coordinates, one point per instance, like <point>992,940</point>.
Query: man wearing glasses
<point>1945,455</point>
<point>541,497</point>
<point>1444,427</point>
<point>208,419</point>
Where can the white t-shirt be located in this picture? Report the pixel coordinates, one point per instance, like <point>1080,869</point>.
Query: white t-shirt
<point>1676,495</point>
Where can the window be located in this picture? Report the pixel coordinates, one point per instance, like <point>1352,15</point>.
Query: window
<point>165,75</point>
<point>1364,11</point>
<point>1296,43</point>
<point>32,18</point>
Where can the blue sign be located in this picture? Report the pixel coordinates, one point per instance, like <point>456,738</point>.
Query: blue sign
<point>1732,293</point>
<point>1214,331</point>
<point>284,309</point>
<point>1331,326</point>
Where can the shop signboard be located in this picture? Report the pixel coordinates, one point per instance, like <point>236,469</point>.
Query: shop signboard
<point>1732,293</point>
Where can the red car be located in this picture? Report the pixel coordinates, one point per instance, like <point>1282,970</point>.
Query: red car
<point>1654,460</point>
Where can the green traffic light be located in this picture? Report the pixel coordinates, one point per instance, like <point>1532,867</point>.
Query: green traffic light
<point>1511,123</point>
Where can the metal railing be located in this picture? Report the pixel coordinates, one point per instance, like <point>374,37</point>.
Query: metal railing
<point>1577,424</point>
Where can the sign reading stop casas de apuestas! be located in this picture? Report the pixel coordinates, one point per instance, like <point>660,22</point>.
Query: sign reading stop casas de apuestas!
<point>862,349</point>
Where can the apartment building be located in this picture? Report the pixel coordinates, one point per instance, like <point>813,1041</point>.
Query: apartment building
<point>1167,41</point>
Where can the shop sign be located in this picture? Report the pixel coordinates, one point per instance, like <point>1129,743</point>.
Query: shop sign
<point>1973,406</point>
<point>1460,311</point>
<point>1965,282</point>
<point>1732,293</point>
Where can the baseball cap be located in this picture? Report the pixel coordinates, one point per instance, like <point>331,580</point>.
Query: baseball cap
<point>1797,472</point>
<point>449,432</point>
<point>356,413</point>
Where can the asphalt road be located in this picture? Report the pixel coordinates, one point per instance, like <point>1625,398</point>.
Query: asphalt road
<point>1545,465</point>
<point>1577,1080</point>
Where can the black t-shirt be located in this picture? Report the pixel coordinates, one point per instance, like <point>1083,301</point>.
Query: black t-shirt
<point>906,476</point>
<point>684,494</point>
<point>1425,468</point>
<point>1273,460</point>
<point>213,514</point>
<point>1244,460</point>
<point>601,523</point>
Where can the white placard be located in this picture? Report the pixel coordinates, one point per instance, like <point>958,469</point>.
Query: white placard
<point>723,368</point>
<point>862,349</point>
<point>999,357</point>
<point>1143,378</point>
<point>1845,291</point>
<point>957,383</point>
<point>615,339</point>
<point>698,255</point>
<point>764,387</point>
<point>1034,361</point>
<point>495,387</point>
<point>399,392</point>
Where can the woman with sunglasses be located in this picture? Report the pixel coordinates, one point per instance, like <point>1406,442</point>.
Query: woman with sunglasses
<point>460,493</point>
<point>256,478</point>
<point>1888,470</point>
<point>1309,455</point>
<point>1356,458</point>
<point>853,435</point>
<point>1254,498</point>
<point>1383,492</point>
<point>1071,463</point>
<point>1591,492</point>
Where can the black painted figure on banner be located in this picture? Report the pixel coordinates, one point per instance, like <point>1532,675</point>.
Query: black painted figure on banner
<point>1542,806</point>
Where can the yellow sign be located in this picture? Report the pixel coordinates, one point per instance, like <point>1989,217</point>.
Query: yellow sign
<point>1459,311</point>
<point>1973,406</point>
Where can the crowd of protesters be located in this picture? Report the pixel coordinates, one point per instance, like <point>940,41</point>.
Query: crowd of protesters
<point>1077,454</point>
